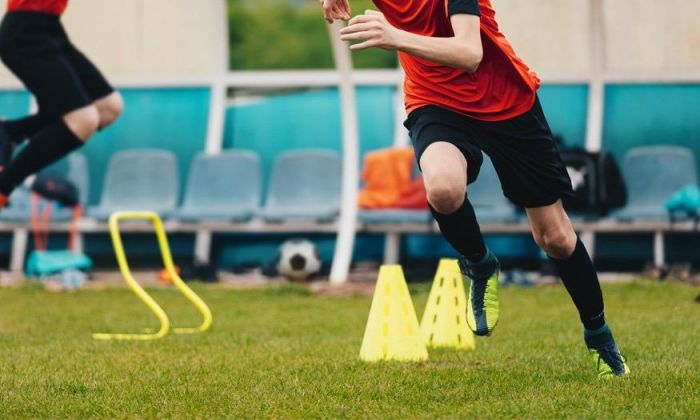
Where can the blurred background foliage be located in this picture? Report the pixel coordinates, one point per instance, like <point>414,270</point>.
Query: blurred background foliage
<point>289,34</point>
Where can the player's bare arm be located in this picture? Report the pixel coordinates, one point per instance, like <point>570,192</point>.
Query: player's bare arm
<point>463,51</point>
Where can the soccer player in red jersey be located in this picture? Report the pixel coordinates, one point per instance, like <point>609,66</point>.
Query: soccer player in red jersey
<point>467,92</point>
<point>74,98</point>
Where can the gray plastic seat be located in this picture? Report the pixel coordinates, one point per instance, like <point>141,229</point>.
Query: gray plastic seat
<point>652,175</point>
<point>20,208</point>
<point>225,187</point>
<point>395,216</point>
<point>486,195</point>
<point>139,180</point>
<point>305,185</point>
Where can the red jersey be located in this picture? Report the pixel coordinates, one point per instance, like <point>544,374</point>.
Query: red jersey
<point>503,87</point>
<point>54,7</point>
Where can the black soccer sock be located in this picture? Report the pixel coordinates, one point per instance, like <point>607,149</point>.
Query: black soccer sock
<point>581,281</point>
<point>462,231</point>
<point>24,128</point>
<point>45,148</point>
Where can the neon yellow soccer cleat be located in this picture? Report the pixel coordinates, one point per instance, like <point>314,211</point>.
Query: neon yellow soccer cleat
<point>482,305</point>
<point>605,354</point>
<point>609,363</point>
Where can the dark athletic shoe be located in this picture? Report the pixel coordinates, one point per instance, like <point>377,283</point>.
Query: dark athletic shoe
<point>5,147</point>
<point>606,356</point>
<point>482,305</point>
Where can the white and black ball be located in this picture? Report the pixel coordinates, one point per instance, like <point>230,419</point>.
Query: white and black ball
<point>298,260</point>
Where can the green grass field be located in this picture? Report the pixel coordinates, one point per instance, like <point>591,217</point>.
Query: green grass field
<point>283,353</point>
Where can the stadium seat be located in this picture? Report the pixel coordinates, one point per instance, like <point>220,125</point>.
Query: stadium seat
<point>140,179</point>
<point>225,187</point>
<point>486,195</point>
<point>20,203</point>
<point>652,175</point>
<point>20,207</point>
<point>305,185</point>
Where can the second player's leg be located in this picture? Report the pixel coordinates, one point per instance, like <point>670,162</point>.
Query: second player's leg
<point>109,109</point>
<point>62,100</point>
<point>108,101</point>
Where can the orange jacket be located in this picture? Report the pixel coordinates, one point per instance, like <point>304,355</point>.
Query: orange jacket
<point>387,175</point>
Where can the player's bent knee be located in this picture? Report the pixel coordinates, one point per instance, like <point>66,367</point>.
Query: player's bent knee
<point>446,197</point>
<point>83,122</point>
<point>557,243</point>
<point>110,109</point>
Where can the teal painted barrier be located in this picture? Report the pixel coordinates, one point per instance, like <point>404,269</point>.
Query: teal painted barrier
<point>566,108</point>
<point>176,119</point>
<point>641,115</point>
<point>14,104</point>
<point>173,119</point>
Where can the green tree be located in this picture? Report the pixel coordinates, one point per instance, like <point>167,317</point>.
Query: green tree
<point>281,34</point>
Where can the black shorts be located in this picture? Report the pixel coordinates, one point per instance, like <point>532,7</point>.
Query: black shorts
<point>36,48</point>
<point>522,150</point>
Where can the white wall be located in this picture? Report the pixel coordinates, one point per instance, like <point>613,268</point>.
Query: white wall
<point>153,38</point>
<point>550,35</point>
<point>641,36</point>
<point>653,36</point>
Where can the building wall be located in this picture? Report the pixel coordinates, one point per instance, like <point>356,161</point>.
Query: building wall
<point>553,36</point>
<point>148,38</point>
<point>652,36</point>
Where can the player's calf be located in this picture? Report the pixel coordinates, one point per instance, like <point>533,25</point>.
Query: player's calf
<point>553,232</point>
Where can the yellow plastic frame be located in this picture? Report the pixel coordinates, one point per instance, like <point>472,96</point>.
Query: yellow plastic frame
<point>157,310</point>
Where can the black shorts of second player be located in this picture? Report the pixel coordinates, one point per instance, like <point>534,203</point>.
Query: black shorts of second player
<point>36,48</point>
<point>522,149</point>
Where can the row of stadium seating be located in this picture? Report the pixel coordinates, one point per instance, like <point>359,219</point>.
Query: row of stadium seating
<point>303,193</point>
<point>305,185</point>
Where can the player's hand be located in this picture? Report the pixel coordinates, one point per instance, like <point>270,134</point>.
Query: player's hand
<point>373,30</point>
<point>335,10</point>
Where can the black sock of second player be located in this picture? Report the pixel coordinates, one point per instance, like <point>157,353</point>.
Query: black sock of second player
<point>45,148</point>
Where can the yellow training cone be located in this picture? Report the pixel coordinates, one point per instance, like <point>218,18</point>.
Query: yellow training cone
<point>392,328</point>
<point>444,323</point>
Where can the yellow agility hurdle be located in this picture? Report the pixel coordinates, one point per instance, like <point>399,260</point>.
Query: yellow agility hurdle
<point>140,292</point>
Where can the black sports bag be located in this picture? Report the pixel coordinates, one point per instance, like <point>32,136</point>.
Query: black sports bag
<point>596,180</point>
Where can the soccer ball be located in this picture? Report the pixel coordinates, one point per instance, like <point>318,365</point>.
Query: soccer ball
<point>298,259</point>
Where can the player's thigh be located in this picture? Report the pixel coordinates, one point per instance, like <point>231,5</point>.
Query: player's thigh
<point>527,160</point>
<point>94,82</point>
<point>443,163</point>
<point>52,81</point>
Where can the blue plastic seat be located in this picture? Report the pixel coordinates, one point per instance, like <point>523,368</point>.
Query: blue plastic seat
<point>486,195</point>
<point>141,180</point>
<point>227,187</point>
<point>79,175</point>
<point>305,185</point>
<point>395,216</point>
<point>652,175</point>
<point>20,208</point>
